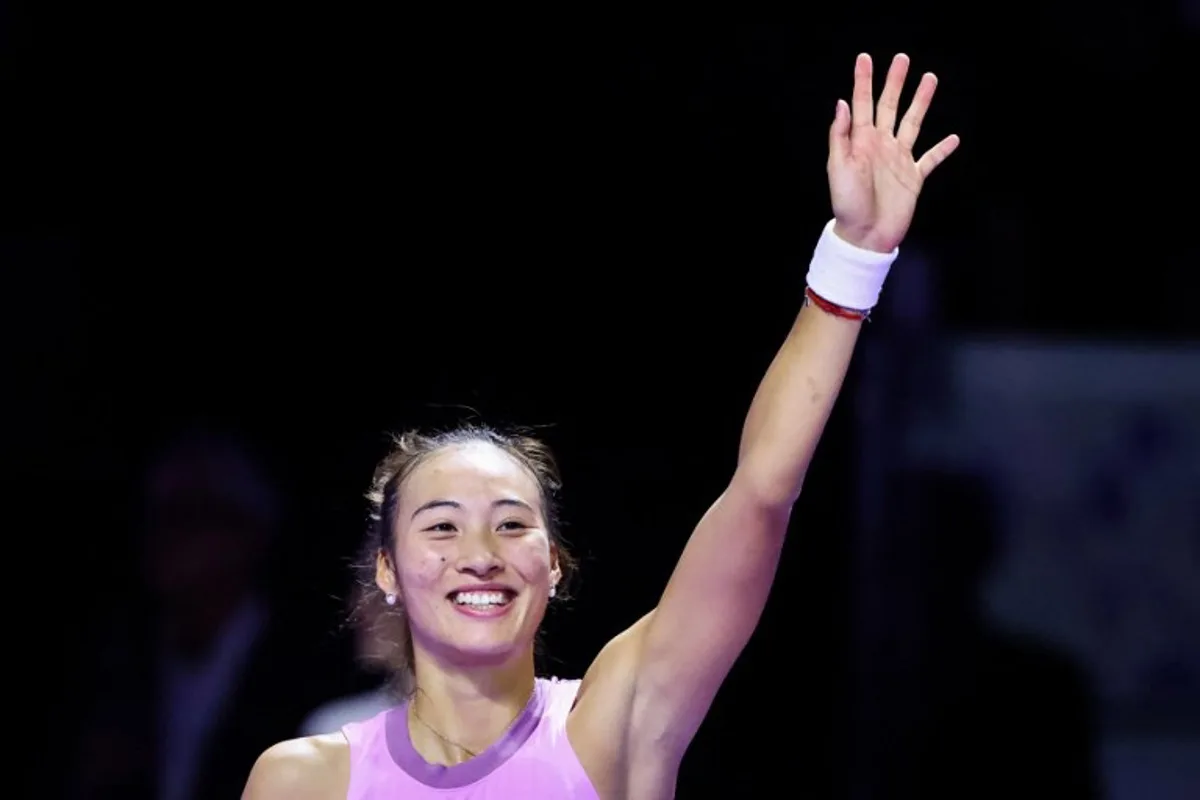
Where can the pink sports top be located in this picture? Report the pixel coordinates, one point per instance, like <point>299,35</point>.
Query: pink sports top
<point>532,760</point>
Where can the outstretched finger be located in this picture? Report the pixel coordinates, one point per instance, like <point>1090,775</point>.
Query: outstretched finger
<point>889,99</point>
<point>937,154</point>
<point>839,133</point>
<point>862,102</point>
<point>910,126</point>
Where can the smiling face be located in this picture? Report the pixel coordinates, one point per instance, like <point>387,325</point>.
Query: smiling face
<point>473,559</point>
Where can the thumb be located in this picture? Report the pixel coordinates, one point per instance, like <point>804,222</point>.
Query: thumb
<point>839,132</point>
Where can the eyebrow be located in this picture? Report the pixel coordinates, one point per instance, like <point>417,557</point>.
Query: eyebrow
<point>510,502</point>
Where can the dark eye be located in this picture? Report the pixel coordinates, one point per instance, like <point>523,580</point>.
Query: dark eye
<point>441,527</point>
<point>513,525</point>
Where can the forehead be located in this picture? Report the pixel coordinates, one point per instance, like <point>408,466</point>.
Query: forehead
<point>477,468</point>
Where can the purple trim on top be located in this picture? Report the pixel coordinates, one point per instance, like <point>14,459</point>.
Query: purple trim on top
<point>439,776</point>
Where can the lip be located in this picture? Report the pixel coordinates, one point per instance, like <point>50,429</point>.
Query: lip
<point>481,613</point>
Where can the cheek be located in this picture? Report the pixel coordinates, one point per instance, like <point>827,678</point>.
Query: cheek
<point>531,558</point>
<point>422,568</point>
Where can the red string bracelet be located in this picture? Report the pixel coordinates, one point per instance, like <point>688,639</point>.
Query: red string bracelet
<point>833,308</point>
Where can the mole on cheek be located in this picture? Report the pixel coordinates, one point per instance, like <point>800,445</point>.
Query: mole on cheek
<point>431,566</point>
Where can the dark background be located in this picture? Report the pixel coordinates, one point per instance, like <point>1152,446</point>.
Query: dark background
<point>314,228</point>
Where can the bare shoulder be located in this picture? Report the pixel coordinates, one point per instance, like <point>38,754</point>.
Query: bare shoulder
<point>599,724</point>
<point>611,675</point>
<point>312,768</point>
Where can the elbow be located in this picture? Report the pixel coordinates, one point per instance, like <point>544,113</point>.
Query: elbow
<point>771,492</point>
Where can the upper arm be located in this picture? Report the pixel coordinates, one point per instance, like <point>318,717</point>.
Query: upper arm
<point>709,610</point>
<point>313,768</point>
<point>598,725</point>
<point>650,687</point>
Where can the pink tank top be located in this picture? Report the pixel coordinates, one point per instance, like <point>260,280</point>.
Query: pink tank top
<point>532,760</point>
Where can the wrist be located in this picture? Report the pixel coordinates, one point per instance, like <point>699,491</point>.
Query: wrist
<point>846,274</point>
<point>862,238</point>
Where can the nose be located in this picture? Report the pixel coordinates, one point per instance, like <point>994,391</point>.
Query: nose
<point>478,557</point>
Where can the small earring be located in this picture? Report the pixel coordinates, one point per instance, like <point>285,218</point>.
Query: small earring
<point>553,591</point>
<point>390,599</point>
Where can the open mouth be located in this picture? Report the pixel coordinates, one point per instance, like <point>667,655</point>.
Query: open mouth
<point>490,600</point>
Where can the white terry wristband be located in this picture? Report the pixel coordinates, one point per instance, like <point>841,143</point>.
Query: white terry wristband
<point>846,275</point>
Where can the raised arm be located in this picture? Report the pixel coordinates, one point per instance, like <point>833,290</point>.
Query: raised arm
<point>716,595</point>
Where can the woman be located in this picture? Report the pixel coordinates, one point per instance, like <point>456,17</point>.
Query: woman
<point>468,553</point>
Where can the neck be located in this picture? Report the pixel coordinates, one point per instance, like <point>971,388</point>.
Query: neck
<point>458,712</point>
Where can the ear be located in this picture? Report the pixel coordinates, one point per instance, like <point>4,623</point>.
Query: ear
<point>555,569</point>
<point>385,575</point>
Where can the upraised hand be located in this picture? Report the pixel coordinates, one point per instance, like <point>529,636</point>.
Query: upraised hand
<point>874,179</point>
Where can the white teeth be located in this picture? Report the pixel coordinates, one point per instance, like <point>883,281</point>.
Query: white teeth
<point>481,599</point>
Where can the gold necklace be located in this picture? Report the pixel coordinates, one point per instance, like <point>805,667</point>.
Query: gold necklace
<point>412,707</point>
<point>470,753</point>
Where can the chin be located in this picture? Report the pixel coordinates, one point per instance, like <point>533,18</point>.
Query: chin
<point>485,654</point>
<point>487,646</point>
<point>484,637</point>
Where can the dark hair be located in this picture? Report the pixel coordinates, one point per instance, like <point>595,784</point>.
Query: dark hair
<point>409,450</point>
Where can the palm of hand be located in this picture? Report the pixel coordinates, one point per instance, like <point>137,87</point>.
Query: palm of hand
<point>874,180</point>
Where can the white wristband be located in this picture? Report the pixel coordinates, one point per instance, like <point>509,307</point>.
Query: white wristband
<point>846,275</point>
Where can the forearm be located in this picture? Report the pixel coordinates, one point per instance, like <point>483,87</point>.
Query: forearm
<point>793,403</point>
